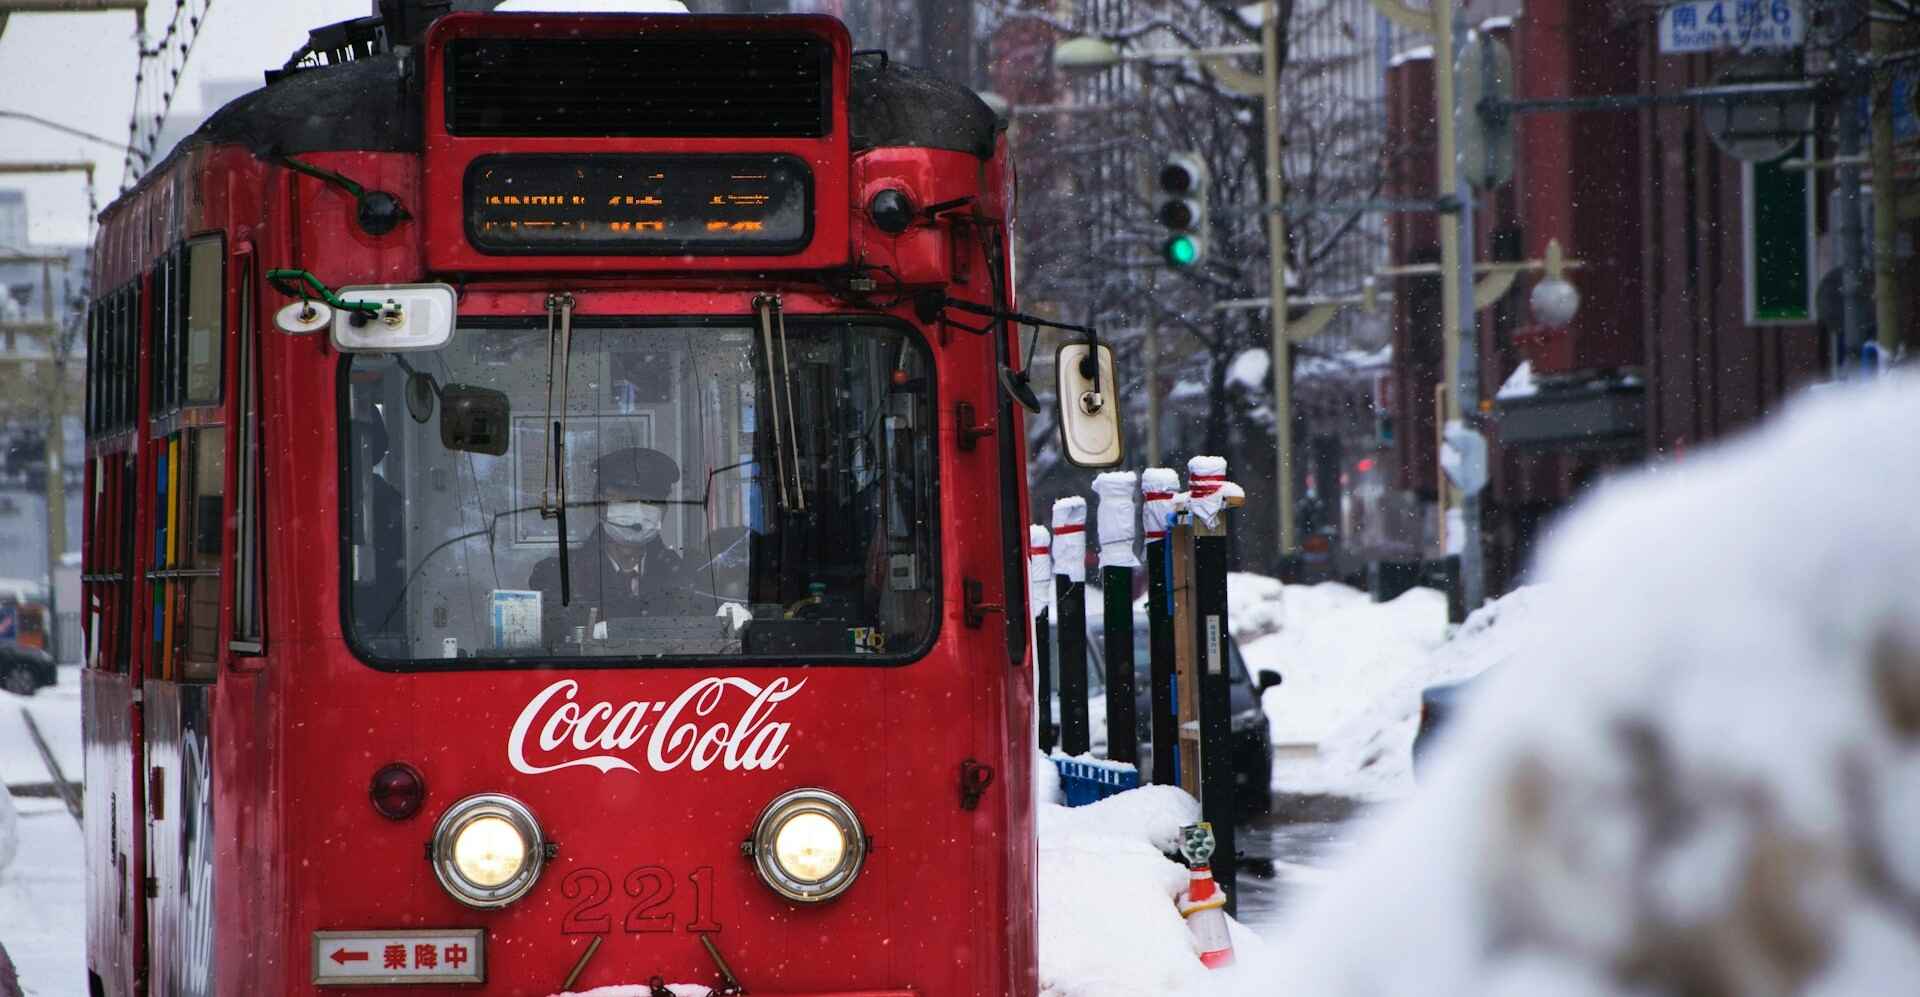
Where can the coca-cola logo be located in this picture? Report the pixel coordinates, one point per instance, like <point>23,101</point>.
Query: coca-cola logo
<point>557,731</point>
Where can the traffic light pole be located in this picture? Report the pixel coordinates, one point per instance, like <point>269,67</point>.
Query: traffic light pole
<point>1279,355</point>
<point>1465,395</point>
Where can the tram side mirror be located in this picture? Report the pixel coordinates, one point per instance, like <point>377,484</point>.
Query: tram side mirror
<point>474,420</point>
<point>1088,405</point>
<point>1268,678</point>
<point>409,317</point>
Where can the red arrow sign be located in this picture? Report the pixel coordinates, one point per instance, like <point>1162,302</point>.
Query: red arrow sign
<point>342,956</point>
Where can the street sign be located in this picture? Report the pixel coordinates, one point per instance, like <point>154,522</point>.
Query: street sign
<point>1712,25</point>
<point>1484,69</point>
<point>1762,129</point>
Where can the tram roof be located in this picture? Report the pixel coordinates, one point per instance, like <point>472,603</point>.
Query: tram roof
<point>374,105</point>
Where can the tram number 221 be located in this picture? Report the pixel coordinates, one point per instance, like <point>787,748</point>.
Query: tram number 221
<point>651,888</point>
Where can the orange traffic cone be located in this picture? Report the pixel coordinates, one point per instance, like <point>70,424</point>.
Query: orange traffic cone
<point>1204,905</point>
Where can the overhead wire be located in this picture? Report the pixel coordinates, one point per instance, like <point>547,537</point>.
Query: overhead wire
<point>156,82</point>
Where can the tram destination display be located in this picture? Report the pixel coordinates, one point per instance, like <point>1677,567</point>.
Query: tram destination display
<point>731,204</point>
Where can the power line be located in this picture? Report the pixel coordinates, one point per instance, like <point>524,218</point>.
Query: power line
<point>57,126</point>
<point>164,62</point>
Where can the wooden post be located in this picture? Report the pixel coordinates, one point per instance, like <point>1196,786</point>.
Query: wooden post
<point>1157,486</point>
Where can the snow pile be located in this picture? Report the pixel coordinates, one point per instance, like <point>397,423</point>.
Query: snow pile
<point>1708,776</point>
<point>1520,383</point>
<point>1340,654</point>
<point>641,990</point>
<point>1375,748</point>
<point>1256,605</point>
<point>1108,924</point>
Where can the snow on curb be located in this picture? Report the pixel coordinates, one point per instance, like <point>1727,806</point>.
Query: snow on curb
<point>1108,924</point>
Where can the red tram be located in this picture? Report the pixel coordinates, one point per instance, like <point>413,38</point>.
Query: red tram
<point>548,528</point>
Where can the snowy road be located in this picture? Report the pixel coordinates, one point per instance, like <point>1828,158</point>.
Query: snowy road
<point>42,907</point>
<point>1298,853</point>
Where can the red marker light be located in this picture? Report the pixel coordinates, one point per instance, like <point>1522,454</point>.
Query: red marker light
<point>397,791</point>
<point>1365,465</point>
<point>899,377</point>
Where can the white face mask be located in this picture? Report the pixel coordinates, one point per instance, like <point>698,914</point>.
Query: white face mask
<point>632,522</point>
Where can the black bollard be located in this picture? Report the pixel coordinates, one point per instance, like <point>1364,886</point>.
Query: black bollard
<point>1117,561</point>
<point>1156,492</point>
<point>1207,476</point>
<point>1070,608</point>
<point>1039,591</point>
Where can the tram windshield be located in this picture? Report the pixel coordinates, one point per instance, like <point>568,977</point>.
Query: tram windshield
<point>702,519</point>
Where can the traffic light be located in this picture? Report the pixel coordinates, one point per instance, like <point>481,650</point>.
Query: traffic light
<point>1180,204</point>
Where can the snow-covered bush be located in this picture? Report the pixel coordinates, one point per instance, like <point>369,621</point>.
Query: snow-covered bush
<point>1706,778</point>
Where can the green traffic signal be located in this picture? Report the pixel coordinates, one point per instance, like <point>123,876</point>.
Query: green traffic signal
<point>1182,251</point>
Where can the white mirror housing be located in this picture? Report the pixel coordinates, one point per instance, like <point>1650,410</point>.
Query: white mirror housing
<point>411,317</point>
<point>1088,408</point>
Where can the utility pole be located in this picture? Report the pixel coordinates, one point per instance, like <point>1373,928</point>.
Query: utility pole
<point>1465,396</point>
<point>56,443</point>
<point>1150,354</point>
<point>1886,290</point>
<point>1852,248</point>
<point>1280,354</point>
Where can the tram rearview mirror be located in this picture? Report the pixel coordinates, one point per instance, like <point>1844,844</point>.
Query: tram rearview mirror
<point>1088,405</point>
<point>410,317</point>
<point>474,420</point>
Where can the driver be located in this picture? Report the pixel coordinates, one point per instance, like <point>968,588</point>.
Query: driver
<point>623,568</point>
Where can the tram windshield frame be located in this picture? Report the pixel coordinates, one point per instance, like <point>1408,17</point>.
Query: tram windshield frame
<point>450,556</point>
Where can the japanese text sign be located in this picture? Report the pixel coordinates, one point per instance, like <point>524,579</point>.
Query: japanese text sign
<point>1709,25</point>
<point>388,957</point>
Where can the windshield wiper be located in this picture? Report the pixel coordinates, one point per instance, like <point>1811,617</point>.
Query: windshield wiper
<point>780,386</point>
<point>560,305</point>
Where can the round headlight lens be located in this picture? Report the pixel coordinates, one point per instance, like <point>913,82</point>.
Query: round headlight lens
<point>808,845</point>
<point>488,850</point>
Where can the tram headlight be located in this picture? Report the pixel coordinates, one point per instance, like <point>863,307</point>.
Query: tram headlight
<point>488,850</point>
<point>808,845</point>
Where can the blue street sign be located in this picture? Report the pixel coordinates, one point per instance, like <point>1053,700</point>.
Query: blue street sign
<point>1710,25</point>
<point>9,622</point>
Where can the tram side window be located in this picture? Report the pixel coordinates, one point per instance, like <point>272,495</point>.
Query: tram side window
<point>187,304</point>
<point>249,632</point>
<point>190,463</point>
<point>111,344</point>
<point>202,511</point>
<point>205,264</point>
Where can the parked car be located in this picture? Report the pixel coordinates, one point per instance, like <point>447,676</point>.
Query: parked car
<point>25,670</point>
<point>1252,742</point>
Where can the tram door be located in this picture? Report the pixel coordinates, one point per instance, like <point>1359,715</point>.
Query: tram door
<point>184,642</point>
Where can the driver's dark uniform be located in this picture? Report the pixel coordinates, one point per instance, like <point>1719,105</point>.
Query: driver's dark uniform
<point>618,586</point>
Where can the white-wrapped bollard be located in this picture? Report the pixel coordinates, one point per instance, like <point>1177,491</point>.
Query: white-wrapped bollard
<point>1206,478</point>
<point>1117,532</point>
<point>1070,538</point>
<point>1039,569</point>
<point>1157,488</point>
